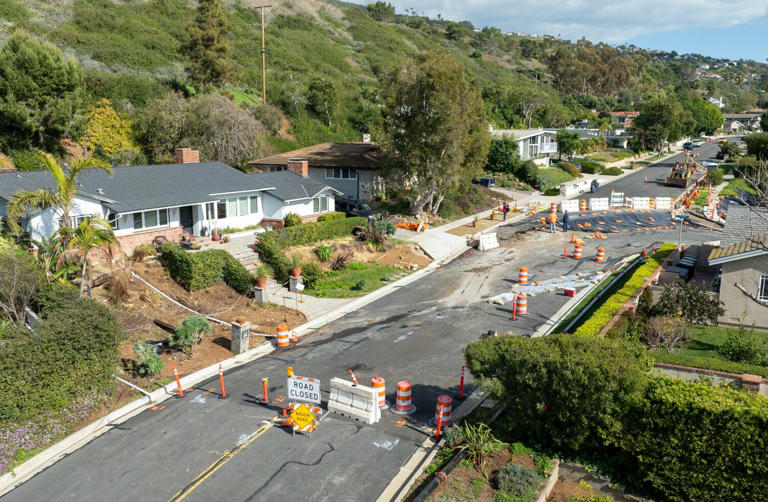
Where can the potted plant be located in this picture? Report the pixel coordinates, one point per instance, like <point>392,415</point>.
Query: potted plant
<point>474,222</point>
<point>492,214</point>
<point>225,239</point>
<point>295,264</point>
<point>261,277</point>
<point>215,234</point>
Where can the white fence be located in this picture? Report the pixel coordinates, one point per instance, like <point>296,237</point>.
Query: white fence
<point>640,203</point>
<point>600,204</point>
<point>572,206</point>
<point>617,200</point>
<point>663,203</point>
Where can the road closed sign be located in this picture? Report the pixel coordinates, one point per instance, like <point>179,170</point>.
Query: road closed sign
<point>304,389</point>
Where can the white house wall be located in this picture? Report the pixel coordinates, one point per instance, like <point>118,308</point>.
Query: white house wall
<point>44,223</point>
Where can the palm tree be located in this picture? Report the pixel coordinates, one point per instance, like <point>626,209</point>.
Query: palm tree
<point>92,233</point>
<point>25,201</point>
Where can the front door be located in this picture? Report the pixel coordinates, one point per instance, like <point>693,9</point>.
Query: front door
<point>185,218</point>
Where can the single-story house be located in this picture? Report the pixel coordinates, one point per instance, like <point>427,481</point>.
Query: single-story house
<point>351,168</point>
<point>614,138</point>
<point>533,144</point>
<point>743,258</point>
<point>143,202</point>
<point>736,121</point>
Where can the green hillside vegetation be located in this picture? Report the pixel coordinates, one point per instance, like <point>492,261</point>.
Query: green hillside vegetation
<point>131,53</point>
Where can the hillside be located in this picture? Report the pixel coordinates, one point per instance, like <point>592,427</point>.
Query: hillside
<point>129,50</point>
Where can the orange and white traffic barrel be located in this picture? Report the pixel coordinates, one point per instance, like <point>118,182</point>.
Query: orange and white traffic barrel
<point>403,404</point>
<point>442,408</point>
<point>283,338</point>
<point>380,386</point>
<point>522,304</point>
<point>652,203</point>
<point>577,251</point>
<point>582,204</point>
<point>522,277</point>
<point>600,256</point>
<point>553,207</point>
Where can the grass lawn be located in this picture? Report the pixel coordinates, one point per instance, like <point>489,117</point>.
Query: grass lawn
<point>707,339</point>
<point>734,186</point>
<point>701,199</point>
<point>611,155</point>
<point>349,282</point>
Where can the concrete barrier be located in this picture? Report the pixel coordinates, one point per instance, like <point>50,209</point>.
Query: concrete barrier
<point>572,189</point>
<point>354,401</point>
<point>663,203</point>
<point>487,241</point>
<point>572,206</point>
<point>641,203</point>
<point>601,204</point>
<point>617,200</point>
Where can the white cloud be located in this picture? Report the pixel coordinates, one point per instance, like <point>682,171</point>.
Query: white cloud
<point>605,20</point>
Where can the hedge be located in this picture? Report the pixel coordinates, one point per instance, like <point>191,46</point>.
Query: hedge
<point>710,363</point>
<point>195,271</point>
<point>612,304</point>
<point>73,353</point>
<point>592,397</point>
<point>312,232</point>
<point>336,215</point>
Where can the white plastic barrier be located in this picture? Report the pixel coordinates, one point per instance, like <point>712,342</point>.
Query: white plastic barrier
<point>617,200</point>
<point>487,241</point>
<point>572,206</point>
<point>571,189</point>
<point>663,203</point>
<point>354,401</point>
<point>641,203</point>
<point>600,204</point>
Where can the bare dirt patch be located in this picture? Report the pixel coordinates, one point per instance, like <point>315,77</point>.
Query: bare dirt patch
<point>473,227</point>
<point>400,255</point>
<point>565,491</point>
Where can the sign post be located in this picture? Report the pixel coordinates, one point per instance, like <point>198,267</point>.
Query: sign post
<point>300,289</point>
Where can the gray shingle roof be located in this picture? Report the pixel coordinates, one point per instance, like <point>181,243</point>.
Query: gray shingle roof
<point>291,186</point>
<point>146,187</point>
<point>744,222</point>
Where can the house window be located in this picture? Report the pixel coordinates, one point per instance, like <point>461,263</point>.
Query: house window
<point>209,211</point>
<point>77,220</point>
<point>340,173</point>
<point>274,169</point>
<point>319,204</point>
<point>150,219</point>
<point>113,220</point>
<point>254,204</point>
<point>762,292</point>
<point>221,209</point>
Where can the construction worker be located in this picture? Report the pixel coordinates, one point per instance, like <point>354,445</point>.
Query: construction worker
<point>552,222</point>
<point>505,209</point>
<point>566,220</point>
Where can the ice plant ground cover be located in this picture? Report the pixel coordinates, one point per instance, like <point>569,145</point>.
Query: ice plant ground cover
<point>18,440</point>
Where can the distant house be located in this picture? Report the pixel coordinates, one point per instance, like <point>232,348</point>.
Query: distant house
<point>736,121</point>
<point>743,258</point>
<point>351,168</point>
<point>718,102</point>
<point>533,144</point>
<point>624,119</point>
<point>144,202</point>
<point>614,138</point>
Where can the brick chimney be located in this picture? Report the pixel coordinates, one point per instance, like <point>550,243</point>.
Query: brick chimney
<point>187,155</point>
<point>298,166</point>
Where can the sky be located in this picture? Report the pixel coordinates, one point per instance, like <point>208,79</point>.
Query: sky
<point>734,29</point>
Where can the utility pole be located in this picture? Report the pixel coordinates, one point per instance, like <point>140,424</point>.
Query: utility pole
<point>263,58</point>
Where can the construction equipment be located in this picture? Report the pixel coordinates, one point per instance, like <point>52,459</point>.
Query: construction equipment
<point>681,174</point>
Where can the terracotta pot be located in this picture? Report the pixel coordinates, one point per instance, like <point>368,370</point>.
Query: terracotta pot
<point>296,272</point>
<point>474,223</point>
<point>216,237</point>
<point>261,282</point>
<point>492,215</point>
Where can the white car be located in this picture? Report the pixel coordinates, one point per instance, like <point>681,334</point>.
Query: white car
<point>709,164</point>
<point>697,143</point>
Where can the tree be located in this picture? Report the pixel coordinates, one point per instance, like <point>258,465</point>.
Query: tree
<point>322,99</point>
<point>503,156</point>
<point>381,11</point>
<point>664,331</point>
<point>91,234</point>
<point>207,49</point>
<point>61,198</point>
<point>455,31</point>
<point>764,120</point>
<point>730,148</point>
<point>690,301</point>
<point>41,93</point>
<point>20,278</point>
<point>107,132</point>
<point>567,143</point>
<point>757,145</point>
<point>435,136</point>
<point>662,120</point>
<point>706,116</point>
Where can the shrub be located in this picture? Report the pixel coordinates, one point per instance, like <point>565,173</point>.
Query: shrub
<point>28,160</point>
<point>312,274</point>
<point>272,254</point>
<point>118,288</point>
<point>324,253</point>
<point>590,167</point>
<point>359,285</point>
<point>292,220</point>
<point>341,261</point>
<point>195,271</point>
<point>528,172</point>
<point>385,227</point>
<point>142,252</point>
<point>714,176</point>
<point>611,171</point>
<point>477,442</point>
<point>52,295</point>
<point>710,363</point>
<point>551,178</point>
<point>74,353</point>
<point>570,168</point>
<point>309,233</point>
<point>148,361</point>
<point>517,480</point>
<point>189,332</point>
<point>742,347</point>
<point>332,216</point>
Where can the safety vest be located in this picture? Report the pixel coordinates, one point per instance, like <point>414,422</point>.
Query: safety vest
<point>552,218</point>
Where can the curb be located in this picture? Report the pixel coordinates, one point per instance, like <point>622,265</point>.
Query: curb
<point>74,441</point>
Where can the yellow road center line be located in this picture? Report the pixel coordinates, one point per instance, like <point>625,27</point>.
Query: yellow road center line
<point>223,459</point>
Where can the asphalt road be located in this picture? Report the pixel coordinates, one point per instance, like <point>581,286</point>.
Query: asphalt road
<point>634,185</point>
<point>416,333</point>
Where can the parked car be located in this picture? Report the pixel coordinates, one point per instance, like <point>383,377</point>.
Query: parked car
<point>488,182</point>
<point>354,208</point>
<point>687,145</point>
<point>697,143</point>
<point>720,156</point>
<point>709,164</point>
